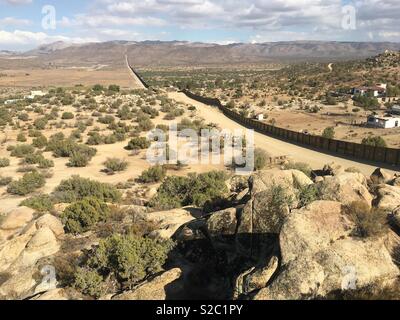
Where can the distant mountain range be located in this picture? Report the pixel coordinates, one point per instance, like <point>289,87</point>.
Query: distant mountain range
<point>180,53</point>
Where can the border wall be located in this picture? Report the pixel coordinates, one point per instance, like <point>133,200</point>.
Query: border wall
<point>388,156</point>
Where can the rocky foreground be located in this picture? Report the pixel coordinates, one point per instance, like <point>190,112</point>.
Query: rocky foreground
<point>307,247</point>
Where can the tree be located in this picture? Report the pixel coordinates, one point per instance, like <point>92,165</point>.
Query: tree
<point>329,133</point>
<point>153,174</point>
<point>375,141</point>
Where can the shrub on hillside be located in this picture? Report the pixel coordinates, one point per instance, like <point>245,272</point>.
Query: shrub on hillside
<point>114,165</point>
<point>80,216</point>
<point>260,158</point>
<point>4,162</point>
<point>27,184</point>
<point>21,150</point>
<point>40,203</point>
<point>138,143</point>
<point>77,188</point>
<point>21,137</point>
<point>195,190</point>
<point>39,142</point>
<point>89,282</point>
<point>4,181</point>
<point>67,115</point>
<point>129,259</point>
<point>370,222</point>
<point>153,174</point>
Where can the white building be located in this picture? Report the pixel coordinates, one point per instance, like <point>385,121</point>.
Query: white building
<point>260,117</point>
<point>379,90</point>
<point>11,101</point>
<point>385,122</point>
<point>34,94</point>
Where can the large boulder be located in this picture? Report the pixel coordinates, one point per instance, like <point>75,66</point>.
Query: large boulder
<point>346,188</point>
<point>388,197</point>
<point>289,179</point>
<point>54,294</point>
<point>256,277</point>
<point>53,223</point>
<point>14,221</point>
<point>319,255</point>
<point>381,176</point>
<point>333,169</point>
<point>222,223</point>
<point>168,222</point>
<point>161,287</point>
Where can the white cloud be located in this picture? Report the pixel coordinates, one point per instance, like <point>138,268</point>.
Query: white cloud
<point>17,2</point>
<point>13,22</point>
<point>20,39</point>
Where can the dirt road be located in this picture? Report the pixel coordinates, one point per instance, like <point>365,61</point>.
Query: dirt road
<point>274,147</point>
<point>139,83</point>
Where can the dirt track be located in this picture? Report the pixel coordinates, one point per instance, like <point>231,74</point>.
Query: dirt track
<point>275,147</point>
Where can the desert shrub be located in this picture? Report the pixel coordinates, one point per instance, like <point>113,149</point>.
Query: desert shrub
<point>39,203</point>
<point>301,166</point>
<point>353,170</point>
<point>4,181</point>
<point>89,282</point>
<point>21,150</point>
<point>328,133</point>
<point>78,160</point>
<point>77,188</point>
<point>113,87</point>
<point>94,139</point>
<point>5,116</point>
<point>33,158</point>
<point>4,162</point>
<point>260,158</point>
<point>129,258</point>
<point>115,164</point>
<point>108,119</point>
<point>376,141</point>
<point>21,137</point>
<point>370,222</point>
<point>80,216</point>
<point>39,142</point>
<point>138,143</point>
<point>40,123</point>
<point>27,184</point>
<point>307,194</point>
<point>45,163</point>
<point>67,115</point>
<point>192,190</point>
<point>153,174</point>
<point>23,117</point>
<point>145,125</point>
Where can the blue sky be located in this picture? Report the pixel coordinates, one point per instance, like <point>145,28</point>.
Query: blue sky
<point>218,21</point>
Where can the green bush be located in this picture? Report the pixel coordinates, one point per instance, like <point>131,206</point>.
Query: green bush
<point>21,137</point>
<point>301,166</point>
<point>114,165</point>
<point>27,184</point>
<point>78,160</point>
<point>39,142</point>
<point>89,282</point>
<point>129,258</point>
<point>41,203</point>
<point>4,181</point>
<point>77,188</point>
<point>260,159</point>
<point>45,163</point>
<point>376,141</point>
<point>328,133</point>
<point>22,150</point>
<point>4,162</point>
<point>307,194</point>
<point>370,222</point>
<point>138,143</point>
<point>198,190</point>
<point>80,216</point>
<point>153,174</point>
<point>40,123</point>
<point>67,115</point>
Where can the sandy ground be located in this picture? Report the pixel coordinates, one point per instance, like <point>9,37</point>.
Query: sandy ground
<point>66,77</point>
<point>273,146</point>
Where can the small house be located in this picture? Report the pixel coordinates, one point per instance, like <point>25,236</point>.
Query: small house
<point>385,122</point>
<point>37,93</point>
<point>10,101</point>
<point>259,116</point>
<point>379,90</point>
